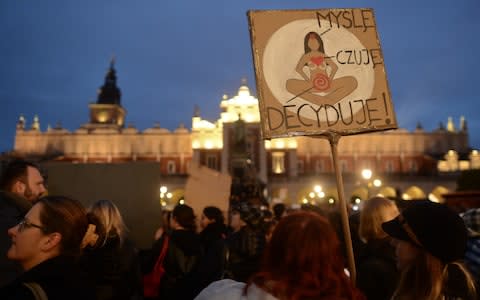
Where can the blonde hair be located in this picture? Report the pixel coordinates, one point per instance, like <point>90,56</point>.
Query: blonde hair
<point>110,218</point>
<point>427,277</point>
<point>372,215</point>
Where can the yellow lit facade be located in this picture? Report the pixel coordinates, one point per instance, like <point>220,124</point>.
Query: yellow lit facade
<point>291,167</point>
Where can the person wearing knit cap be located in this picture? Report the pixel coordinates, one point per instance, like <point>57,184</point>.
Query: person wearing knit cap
<point>430,242</point>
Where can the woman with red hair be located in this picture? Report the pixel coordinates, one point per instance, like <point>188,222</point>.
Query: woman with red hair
<point>302,261</point>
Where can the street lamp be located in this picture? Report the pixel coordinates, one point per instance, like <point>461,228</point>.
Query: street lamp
<point>165,196</point>
<point>367,175</point>
<point>316,196</point>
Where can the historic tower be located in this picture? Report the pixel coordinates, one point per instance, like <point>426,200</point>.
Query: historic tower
<point>107,112</point>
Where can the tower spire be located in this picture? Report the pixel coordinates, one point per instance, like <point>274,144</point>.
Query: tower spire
<point>450,125</point>
<point>196,111</point>
<point>109,93</point>
<point>112,61</point>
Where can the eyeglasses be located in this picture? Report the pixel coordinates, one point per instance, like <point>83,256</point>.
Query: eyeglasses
<point>24,224</point>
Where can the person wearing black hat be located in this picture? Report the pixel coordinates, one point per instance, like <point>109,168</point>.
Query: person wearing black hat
<point>246,244</point>
<point>430,242</point>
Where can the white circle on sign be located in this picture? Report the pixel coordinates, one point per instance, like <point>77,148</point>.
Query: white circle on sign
<point>285,48</point>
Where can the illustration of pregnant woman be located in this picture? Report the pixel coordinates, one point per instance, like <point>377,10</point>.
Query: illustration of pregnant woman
<point>321,78</point>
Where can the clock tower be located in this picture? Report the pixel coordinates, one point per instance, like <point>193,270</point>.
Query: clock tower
<point>107,112</point>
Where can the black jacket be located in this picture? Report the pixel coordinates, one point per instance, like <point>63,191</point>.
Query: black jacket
<point>245,249</point>
<point>377,274</point>
<point>12,209</point>
<point>59,277</point>
<point>181,261</point>
<point>212,262</point>
<point>114,269</point>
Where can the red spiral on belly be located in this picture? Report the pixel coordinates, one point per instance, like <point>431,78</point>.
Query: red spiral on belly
<point>321,82</point>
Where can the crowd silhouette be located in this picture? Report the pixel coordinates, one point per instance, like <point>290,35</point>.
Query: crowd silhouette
<point>55,248</point>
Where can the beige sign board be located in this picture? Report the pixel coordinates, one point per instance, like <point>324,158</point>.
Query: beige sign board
<point>207,187</point>
<point>319,72</point>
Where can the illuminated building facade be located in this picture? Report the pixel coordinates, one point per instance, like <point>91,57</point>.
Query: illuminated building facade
<point>416,164</point>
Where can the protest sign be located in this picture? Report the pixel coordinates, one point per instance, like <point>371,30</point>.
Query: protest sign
<point>319,71</point>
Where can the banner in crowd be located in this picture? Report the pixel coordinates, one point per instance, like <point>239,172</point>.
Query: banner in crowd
<point>319,71</point>
<point>207,187</point>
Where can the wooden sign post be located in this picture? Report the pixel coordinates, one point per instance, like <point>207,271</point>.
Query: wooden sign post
<point>321,73</point>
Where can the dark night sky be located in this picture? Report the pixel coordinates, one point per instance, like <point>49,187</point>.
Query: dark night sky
<point>172,55</point>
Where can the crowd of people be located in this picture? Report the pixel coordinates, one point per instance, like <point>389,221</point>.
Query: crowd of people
<point>52,247</point>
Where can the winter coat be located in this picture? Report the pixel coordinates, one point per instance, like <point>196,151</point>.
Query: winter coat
<point>12,210</point>
<point>245,249</point>
<point>115,270</point>
<point>211,266</point>
<point>180,263</point>
<point>377,274</point>
<point>59,277</point>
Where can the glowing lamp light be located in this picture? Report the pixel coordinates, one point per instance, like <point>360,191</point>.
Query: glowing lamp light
<point>433,198</point>
<point>311,194</point>
<point>208,144</point>
<point>331,201</point>
<point>182,202</point>
<point>305,201</point>
<point>317,189</point>
<point>358,200</point>
<point>268,144</point>
<point>366,174</point>
<point>163,189</point>
<point>377,183</point>
<point>280,144</point>
<point>355,208</point>
<point>169,195</point>
<point>321,194</point>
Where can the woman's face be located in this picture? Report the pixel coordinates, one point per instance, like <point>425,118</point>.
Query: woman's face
<point>405,253</point>
<point>313,43</point>
<point>204,221</point>
<point>27,239</point>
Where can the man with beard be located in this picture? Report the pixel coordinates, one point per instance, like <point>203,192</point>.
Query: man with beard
<point>21,184</point>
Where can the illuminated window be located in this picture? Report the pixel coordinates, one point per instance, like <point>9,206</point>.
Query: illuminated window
<point>171,167</point>
<point>212,162</point>
<point>278,162</point>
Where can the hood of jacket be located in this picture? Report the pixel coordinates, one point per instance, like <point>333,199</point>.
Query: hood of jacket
<point>187,241</point>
